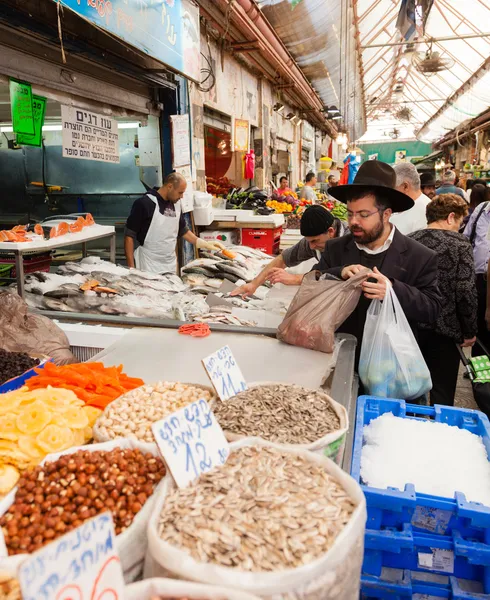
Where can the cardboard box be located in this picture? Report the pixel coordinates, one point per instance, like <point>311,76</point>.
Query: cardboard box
<point>227,237</point>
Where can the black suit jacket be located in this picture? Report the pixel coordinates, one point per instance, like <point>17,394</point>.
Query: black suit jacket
<point>410,266</point>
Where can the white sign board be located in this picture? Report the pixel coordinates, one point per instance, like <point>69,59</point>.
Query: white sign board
<point>224,373</point>
<point>89,136</point>
<point>191,442</point>
<point>80,565</point>
<point>187,201</point>
<point>181,147</point>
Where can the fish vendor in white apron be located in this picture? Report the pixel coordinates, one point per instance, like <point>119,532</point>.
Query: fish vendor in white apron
<point>155,223</point>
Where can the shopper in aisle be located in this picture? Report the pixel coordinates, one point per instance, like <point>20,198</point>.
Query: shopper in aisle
<point>156,231</point>
<point>317,226</point>
<point>408,182</point>
<point>457,322</point>
<point>448,185</point>
<point>308,191</point>
<point>478,193</point>
<point>332,181</point>
<point>428,185</point>
<point>375,243</point>
<point>476,231</point>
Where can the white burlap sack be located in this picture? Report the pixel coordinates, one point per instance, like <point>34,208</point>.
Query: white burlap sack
<point>131,544</point>
<point>170,588</point>
<point>333,576</point>
<point>330,445</point>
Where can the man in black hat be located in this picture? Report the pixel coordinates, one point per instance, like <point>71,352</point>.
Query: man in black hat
<point>318,225</point>
<point>428,185</point>
<point>376,243</point>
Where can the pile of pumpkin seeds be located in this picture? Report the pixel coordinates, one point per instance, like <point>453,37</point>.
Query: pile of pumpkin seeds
<point>281,413</point>
<point>263,510</point>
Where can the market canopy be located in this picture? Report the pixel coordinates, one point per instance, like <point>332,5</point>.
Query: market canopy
<point>401,100</point>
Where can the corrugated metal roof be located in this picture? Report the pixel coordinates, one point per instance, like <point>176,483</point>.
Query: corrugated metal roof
<point>321,37</point>
<point>389,66</point>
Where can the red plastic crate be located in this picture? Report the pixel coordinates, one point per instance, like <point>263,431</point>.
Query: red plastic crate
<point>32,263</point>
<point>266,240</point>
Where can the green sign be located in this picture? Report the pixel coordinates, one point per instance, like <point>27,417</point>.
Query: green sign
<point>38,112</point>
<point>21,107</point>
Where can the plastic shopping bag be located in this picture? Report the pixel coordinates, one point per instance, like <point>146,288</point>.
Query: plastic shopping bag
<point>391,364</point>
<point>319,309</point>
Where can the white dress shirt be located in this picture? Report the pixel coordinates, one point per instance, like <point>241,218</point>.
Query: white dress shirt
<point>413,219</point>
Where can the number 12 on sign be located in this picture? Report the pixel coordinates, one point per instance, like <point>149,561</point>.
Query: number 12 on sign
<point>224,373</point>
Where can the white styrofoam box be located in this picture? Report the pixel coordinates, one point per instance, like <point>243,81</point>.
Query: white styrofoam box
<point>202,200</point>
<point>227,237</point>
<point>203,216</point>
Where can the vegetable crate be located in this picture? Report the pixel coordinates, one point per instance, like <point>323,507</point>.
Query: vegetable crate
<point>35,262</point>
<point>5,273</point>
<point>17,382</point>
<point>393,509</point>
<point>266,240</point>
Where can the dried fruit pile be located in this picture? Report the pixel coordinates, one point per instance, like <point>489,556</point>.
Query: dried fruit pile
<point>132,415</point>
<point>93,383</point>
<point>285,414</point>
<point>9,587</point>
<point>36,423</point>
<point>59,496</point>
<point>13,364</point>
<point>264,510</point>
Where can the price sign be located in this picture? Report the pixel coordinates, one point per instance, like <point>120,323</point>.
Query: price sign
<point>21,107</point>
<point>191,442</point>
<point>81,565</point>
<point>225,374</point>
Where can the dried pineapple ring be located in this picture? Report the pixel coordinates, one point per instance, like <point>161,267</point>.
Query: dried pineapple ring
<point>9,476</point>
<point>92,413</point>
<point>8,427</point>
<point>28,446</point>
<point>55,438</point>
<point>74,418</point>
<point>88,434</point>
<point>10,402</point>
<point>34,418</point>
<point>78,437</point>
<point>16,458</point>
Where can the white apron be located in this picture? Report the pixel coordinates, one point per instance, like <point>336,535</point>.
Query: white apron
<point>157,255</point>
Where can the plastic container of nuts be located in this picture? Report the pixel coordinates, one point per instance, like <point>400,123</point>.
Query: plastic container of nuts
<point>279,523</point>
<point>97,486</point>
<point>170,589</point>
<point>132,414</point>
<point>286,414</point>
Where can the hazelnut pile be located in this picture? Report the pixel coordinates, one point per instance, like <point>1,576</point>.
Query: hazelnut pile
<point>59,496</point>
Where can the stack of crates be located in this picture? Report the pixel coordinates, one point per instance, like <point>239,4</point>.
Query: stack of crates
<point>417,545</point>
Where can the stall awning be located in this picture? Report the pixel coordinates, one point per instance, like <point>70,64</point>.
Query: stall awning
<point>457,36</point>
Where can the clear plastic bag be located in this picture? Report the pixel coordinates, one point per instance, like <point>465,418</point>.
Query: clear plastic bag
<point>391,364</point>
<point>319,309</point>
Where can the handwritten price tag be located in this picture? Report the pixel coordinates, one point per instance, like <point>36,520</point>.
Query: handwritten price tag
<point>81,565</point>
<point>191,442</point>
<point>225,374</point>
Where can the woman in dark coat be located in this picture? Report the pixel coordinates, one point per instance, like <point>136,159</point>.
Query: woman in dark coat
<point>457,322</point>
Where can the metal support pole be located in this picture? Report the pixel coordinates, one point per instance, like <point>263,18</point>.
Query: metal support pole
<point>112,251</point>
<point>19,272</point>
<point>84,249</point>
<point>449,38</point>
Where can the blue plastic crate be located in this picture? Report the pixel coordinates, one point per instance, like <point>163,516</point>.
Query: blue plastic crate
<point>396,584</point>
<point>18,382</point>
<point>393,508</point>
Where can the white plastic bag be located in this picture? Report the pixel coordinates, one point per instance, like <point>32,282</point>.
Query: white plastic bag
<point>171,588</point>
<point>330,445</point>
<point>131,544</point>
<point>333,576</point>
<point>391,364</point>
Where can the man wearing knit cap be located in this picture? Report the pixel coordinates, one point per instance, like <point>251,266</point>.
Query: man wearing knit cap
<point>317,226</point>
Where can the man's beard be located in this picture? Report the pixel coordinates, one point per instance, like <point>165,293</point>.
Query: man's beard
<point>369,236</point>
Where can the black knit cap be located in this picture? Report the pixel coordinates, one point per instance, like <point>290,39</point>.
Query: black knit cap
<point>316,220</point>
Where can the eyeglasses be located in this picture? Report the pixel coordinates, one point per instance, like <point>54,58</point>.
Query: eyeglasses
<point>363,214</point>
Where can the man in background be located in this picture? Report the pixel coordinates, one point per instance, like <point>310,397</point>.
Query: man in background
<point>448,185</point>
<point>283,185</point>
<point>332,181</point>
<point>308,192</point>
<point>428,185</point>
<point>408,182</point>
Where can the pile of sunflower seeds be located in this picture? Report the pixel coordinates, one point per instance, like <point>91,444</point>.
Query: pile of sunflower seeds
<point>285,414</point>
<point>264,510</point>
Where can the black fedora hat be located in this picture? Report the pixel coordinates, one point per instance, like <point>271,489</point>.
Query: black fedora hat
<point>427,180</point>
<point>378,176</point>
